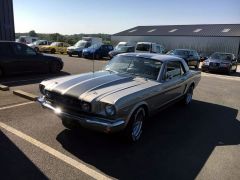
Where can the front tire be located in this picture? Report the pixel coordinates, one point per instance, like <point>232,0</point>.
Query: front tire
<point>134,129</point>
<point>55,67</point>
<point>69,124</point>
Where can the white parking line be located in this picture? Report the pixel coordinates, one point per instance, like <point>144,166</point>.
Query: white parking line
<point>80,166</point>
<point>15,105</point>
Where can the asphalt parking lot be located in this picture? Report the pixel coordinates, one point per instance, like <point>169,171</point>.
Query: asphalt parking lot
<point>201,141</point>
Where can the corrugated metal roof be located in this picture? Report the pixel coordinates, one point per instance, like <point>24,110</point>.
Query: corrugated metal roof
<point>184,30</point>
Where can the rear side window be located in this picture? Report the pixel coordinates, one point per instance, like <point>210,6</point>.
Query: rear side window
<point>173,70</point>
<point>5,49</point>
<point>143,47</point>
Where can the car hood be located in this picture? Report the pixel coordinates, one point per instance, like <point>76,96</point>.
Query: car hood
<point>75,48</point>
<point>181,56</point>
<point>218,61</point>
<point>47,46</point>
<point>94,86</point>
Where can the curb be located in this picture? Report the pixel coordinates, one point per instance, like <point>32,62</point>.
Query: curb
<point>4,88</point>
<point>25,95</point>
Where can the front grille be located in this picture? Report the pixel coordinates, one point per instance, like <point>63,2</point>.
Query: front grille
<point>63,100</point>
<point>212,64</point>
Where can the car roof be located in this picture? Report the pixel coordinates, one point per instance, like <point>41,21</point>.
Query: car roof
<point>159,57</point>
<point>185,49</point>
<point>223,53</point>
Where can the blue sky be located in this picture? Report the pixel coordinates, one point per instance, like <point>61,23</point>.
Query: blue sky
<point>112,16</point>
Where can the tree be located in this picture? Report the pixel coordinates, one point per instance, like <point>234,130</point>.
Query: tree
<point>32,33</point>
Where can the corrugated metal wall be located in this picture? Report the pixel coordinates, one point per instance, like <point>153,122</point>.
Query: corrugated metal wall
<point>7,31</point>
<point>201,44</point>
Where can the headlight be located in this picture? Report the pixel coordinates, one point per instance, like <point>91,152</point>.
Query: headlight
<point>86,107</point>
<point>206,63</point>
<point>42,89</point>
<point>224,64</point>
<point>110,110</point>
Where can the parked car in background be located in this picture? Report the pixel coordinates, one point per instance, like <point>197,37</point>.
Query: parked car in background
<point>120,98</point>
<point>120,50</point>
<point>26,39</point>
<point>220,62</point>
<point>55,47</point>
<point>39,43</point>
<point>121,44</point>
<point>97,51</point>
<point>149,47</point>
<point>190,56</point>
<point>16,58</point>
<point>84,43</point>
<point>203,56</point>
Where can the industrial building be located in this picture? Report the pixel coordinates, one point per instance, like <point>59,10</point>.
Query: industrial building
<point>7,31</point>
<point>205,39</point>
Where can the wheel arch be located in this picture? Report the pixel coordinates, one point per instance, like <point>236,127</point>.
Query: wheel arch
<point>138,105</point>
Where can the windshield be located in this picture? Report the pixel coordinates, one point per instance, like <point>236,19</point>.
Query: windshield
<point>181,52</point>
<point>80,44</point>
<point>221,56</point>
<point>122,48</point>
<point>143,47</point>
<point>139,66</point>
<point>95,46</point>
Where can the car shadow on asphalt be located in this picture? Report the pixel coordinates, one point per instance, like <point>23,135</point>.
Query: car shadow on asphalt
<point>26,79</point>
<point>14,164</point>
<point>176,143</point>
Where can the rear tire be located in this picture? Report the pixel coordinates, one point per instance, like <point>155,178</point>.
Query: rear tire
<point>69,124</point>
<point>53,51</point>
<point>1,73</point>
<point>36,49</point>
<point>79,54</point>
<point>97,57</point>
<point>134,129</point>
<point>188,96</point>
<point>55,67</point>
<point>69,54</point>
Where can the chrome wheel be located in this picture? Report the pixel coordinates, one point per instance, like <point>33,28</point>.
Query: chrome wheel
<point>138,124</point>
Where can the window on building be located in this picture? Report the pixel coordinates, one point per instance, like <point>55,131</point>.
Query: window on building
<point>226,30</point>
<point>197,30</point>
<point>133,30</point>
<point>152,30</point>
<point>173,30</point>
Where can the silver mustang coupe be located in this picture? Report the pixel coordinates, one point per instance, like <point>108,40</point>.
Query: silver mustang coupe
<point>120,98</point>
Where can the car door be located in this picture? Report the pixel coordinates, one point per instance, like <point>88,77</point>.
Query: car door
<point>234,62</point>
<point>27,60</point>
<point>7,58</point>
<point>174,80</point>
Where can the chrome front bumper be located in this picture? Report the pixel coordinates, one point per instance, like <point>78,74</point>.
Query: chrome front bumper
<point>91,122</point>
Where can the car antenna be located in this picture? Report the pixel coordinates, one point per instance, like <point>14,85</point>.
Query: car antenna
<point>93,65</point>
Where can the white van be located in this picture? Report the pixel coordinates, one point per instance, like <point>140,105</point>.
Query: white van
<point>149,47</point>
<point>86,42</point>
<point>27,39</point>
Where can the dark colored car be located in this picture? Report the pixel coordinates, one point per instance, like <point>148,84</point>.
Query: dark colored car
<point>120,50</point>
<point>97,51</point>
<point>16,58</point>
<point>220,62</point>
<point>190,56</point>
